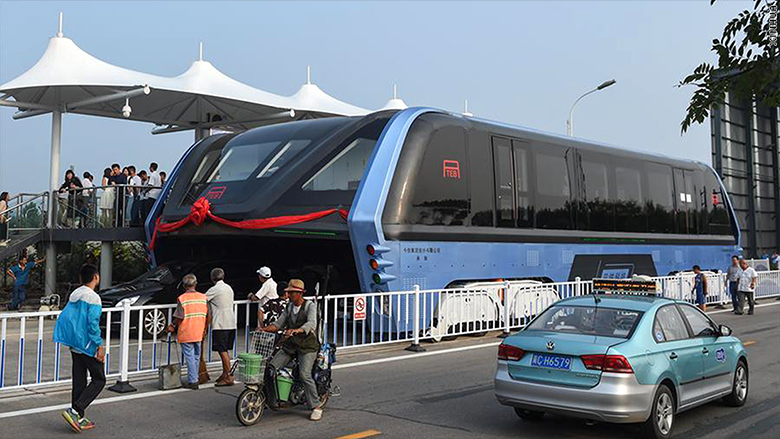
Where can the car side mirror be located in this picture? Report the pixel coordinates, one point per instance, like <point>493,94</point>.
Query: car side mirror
<point>725,331</point>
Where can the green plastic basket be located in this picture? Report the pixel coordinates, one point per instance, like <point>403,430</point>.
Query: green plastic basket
<point>283,386</point>
<point>250,364</point>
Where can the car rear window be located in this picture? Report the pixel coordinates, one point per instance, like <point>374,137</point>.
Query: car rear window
<point>590,320</point>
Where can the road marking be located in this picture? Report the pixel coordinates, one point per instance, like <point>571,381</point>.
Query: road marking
<point>413,356</point>
<point>52,408</point>
<point>729,310</point>
<point>749,342</point>
<point>361,435</point>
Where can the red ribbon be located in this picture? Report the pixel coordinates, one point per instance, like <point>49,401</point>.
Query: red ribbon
<point>201,210</point>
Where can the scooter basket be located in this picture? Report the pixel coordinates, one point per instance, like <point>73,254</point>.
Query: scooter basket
<point>251,365</point>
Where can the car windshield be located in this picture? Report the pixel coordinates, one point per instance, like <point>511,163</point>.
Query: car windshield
<point>590,320</point>
<point>159,274</point>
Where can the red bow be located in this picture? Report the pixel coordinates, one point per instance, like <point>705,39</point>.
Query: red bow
<point>201,209</point>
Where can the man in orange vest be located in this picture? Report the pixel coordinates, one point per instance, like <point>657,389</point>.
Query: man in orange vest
<point>189,323</point>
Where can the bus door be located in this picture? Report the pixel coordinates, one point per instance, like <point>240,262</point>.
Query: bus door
<point>685,198</point>
<point>512,170</point>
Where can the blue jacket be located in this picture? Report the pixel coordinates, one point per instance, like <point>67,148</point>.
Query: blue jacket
<point>78,326</point>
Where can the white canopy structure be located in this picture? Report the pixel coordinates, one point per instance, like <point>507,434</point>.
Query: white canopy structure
<point>67,79</point>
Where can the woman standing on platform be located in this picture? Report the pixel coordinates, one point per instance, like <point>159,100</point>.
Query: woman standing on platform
<point>4,197</point>
<point>107,199</point>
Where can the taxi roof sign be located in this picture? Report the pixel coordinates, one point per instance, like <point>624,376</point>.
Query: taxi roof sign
<point>625,286</point>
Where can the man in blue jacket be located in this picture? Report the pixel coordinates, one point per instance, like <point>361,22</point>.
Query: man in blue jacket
<point>78,327</point>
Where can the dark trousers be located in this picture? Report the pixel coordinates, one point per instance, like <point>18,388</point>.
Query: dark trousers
<point>748,296</point>
<point>18,296</point>
<point>84,394</point>
<point>734,295</point>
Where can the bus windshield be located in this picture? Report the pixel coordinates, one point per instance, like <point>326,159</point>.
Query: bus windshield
<point>261,153</point>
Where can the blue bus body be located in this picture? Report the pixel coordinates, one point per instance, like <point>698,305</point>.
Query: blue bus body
<point>442,248</point>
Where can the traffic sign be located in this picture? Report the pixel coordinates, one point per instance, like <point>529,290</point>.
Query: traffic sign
<point>359,310</point>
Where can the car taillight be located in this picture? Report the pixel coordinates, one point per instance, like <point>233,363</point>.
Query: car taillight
<point>509,353</point>
<point>607,363</point>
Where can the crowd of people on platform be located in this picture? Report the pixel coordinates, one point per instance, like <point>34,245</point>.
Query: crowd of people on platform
<point>85,203</point>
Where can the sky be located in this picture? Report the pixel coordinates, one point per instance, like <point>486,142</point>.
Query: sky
<point>520,62</point>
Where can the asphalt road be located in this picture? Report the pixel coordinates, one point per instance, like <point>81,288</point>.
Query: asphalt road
<point>439,394</point>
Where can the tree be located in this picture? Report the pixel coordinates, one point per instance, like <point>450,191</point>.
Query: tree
<point>748,64</point>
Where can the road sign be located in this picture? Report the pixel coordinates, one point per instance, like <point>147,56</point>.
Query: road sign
<point>359,310</point>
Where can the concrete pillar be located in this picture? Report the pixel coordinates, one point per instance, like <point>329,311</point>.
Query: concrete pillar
<point>54,174</point>
<point>106,263</point>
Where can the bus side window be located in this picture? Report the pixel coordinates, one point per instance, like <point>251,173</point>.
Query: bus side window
<point>597,208</point>
<point>553,187</point>
<point>441,197</point>
<point>504,181</point>
<point>659,205</point>
<point>481,186</point>
<point>718,218</point>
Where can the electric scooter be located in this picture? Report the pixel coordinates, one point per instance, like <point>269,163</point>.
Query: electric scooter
<point>261,385</point>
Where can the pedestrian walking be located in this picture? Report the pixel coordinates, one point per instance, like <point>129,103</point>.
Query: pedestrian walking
<point>732,279</point>
<point>700,288</point>
<point>747,287</point>
<point>20,273</point>
<point>78,327</point>
<point>223,323</point>
<point>189,324</point>
<point>267,289</point>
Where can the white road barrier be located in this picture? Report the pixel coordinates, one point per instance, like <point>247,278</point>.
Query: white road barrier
<point>134,335</point>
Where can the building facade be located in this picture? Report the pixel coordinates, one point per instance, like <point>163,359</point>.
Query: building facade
<point>745,154</point>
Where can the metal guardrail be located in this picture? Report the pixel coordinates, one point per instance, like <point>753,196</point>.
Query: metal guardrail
<point>94,207</point>
<point>389,317</point>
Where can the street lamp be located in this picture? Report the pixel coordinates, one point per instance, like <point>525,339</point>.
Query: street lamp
<point>570,122</point>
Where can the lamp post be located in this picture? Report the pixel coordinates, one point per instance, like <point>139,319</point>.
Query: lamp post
<point>570,121</point>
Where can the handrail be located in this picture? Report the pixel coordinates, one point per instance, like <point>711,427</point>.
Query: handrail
<point>42,195</point>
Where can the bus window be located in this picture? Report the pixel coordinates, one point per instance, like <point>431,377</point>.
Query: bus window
<point>629,208</point>
<point>597,209</point>
<point>480,189</point>
<point>502,169</point>
<point>719,222</point>
<point>659,204</point>
<point>524,194</point>
<point>553,194</point>
<point>442,197</point>
<point>344,171</point>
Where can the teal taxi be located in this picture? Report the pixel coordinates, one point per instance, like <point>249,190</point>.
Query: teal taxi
<point>621,358</point>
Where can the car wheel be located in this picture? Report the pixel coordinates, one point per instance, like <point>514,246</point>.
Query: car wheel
<point>739,389</point>
<point>529,415</point>
<point>155,321</point>
<point>659,424</point>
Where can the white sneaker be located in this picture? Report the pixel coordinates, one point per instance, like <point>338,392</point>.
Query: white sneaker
<point>316,414</point>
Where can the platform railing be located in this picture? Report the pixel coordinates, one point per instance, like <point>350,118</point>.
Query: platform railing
<point>113,206</point>
<point>29,358</point>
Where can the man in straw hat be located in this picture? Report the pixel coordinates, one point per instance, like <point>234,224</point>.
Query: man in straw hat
<point>299,322</point>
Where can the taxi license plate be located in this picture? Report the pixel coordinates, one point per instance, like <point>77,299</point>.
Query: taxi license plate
<point>551,361</point>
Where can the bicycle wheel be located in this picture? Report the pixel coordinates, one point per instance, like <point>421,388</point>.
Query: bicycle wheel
<point>250,406</point>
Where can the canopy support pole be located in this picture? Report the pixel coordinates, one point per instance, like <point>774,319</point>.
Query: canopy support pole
<point>54,172</point>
